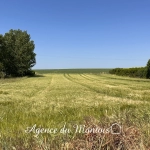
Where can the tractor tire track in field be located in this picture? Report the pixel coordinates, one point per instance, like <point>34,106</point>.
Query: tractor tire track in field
<point>82,84</point>
<point>100,89</point>
<point>125,79</point>
<point>114,83</point>
<point>44,90</point>
<point>100,80</point>
<point>124,91</point>
<point>86,77</point>
<point>90,78</point>
<point>117,80</point>
<point>94,79</point>
<point>103,91</point>
<point>102,77</point>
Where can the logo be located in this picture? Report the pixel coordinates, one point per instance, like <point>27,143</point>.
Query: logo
<point>115,128</point>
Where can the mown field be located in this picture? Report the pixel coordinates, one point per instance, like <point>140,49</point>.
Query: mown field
<point>73,98</point>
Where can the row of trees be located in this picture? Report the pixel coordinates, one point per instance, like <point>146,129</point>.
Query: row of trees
<point>17,55</point>
<point>142,72</point>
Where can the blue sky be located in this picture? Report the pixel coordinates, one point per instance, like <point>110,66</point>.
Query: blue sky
<point>82,33</point>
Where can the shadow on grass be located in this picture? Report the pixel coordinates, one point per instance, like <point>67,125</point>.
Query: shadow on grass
<point>36,76</point>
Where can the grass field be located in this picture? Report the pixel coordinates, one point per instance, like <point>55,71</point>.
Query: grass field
<point>71,98</point>
<point>72,71</point>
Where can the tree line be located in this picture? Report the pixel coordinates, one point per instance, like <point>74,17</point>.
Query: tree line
<point>17,55</point>
<point>139,72</point>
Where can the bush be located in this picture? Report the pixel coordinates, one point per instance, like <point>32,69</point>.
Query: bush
<point>2,74</point>
<point>148,69</point>
<point>131,72</point>
<point>30,73</point>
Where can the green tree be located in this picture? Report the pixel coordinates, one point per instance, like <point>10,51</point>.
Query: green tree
<point>1,67</point>
<point>1,64</point>
<point>148,69</point>
<point>1,49</point>
<point>17,54</point>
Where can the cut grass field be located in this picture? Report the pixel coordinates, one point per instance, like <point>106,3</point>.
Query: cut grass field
<point>55,98</point>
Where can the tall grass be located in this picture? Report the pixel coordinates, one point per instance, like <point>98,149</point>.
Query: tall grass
<point>58,99</point>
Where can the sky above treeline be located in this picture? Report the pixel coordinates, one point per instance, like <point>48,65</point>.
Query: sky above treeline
<point>82,33</point>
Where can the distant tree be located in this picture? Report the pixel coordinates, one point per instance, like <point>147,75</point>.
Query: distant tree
<point>17,53</point>
<point>131,72</point>
<point>148,69</point>
<point>1,49</point>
